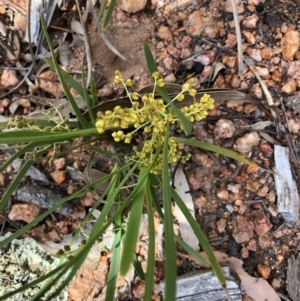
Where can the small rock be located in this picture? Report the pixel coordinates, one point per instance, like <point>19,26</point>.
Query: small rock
<point>254,54</point>
<point>235,188</point>
<point>263,72</point>
<point>251,246</point>
<point>256,91</point>
<point>242,230</point>
<point>186,42</point>
<point>235,81</point>
<point>250,108</point>
<point>87,200</point>
<point>222,194</point>
<point>262,192</point>
<point>262,224</point>
<point>249,37</point>
<point>173,51</point>
<point>230,42</point>
<point>239,6</point>
<point>9,78</point>
<point>290,44</point>
<point>58,176</point>
<point>246,143</point>
<point>229,61</point>
<point>294,125</point>
<point>185,53</point>
<point>289,87</point>
<point>59,163</point>
<point>266,53</point>
<point>263,270</point>
<point>252,185</point>
<point>24,212</point>
<point>221,225</point>
<point>224,129</point>
<point>170,78</point>
<point>107,90</point>
<point>51,85</point>
<point>206,58</point>
<point>294,69</point>
<point>250,22</point>
<point>164,33</point>
<point>202,24</point>
<point>133,6</point>
<point>170,64</point>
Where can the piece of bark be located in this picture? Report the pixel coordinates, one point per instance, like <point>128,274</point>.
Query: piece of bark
<point>288,202</point>
<point>204,285</point>
<point>293,276</point>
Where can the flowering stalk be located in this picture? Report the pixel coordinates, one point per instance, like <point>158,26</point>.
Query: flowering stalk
<point>151,114</point>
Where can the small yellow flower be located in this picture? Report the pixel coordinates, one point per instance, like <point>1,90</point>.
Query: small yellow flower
<point>180,97</point>
<point>155,75</point>
<point>160,82</point>
<point>128,82</point>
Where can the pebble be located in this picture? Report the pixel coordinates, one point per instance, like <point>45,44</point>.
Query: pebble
<point>254,54</point>
<point>250,22</point>
<point>164,33</point>
<point>249,37</point>
<point>133,6</point>
<point>224,129</point>
<point>294,125</point>
<point>186,42</point>
<point>201,24</point>
<point>264,270</point>
<point>173,51</point>
<point>262,224</point>
<point>263,72</point>
<point>289,87</point>
<point>266,53</point>
<point>239,6</point>
<point>294,69</point>
<point>206,58</point>
<point>247,142</point>
<point>58,176</point>
<point>170,78</point>
<point>9,78</point>
<point>242,230</point>
<point>290,44</point>
<point>24,212</point>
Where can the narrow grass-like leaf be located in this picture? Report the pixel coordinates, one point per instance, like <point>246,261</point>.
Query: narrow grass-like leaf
<point>131,235</point>
<point>94,96</point>
<point>115,260</point>
<point>80,257</point>
<point>102,8</point>
<point>191,251</point>
<point>201,237</point>
<point>19,153</point>
<point>87,98</point>
<point>108,14</point>
<point>138,268</point>
<point>85,124</point>
<point>215,148</point>
<point>151,247</point>
<point>14,184</point>
<point>170,262</point>
<point>184,122</point>
<point>68,198</point>
<point>42,137</point>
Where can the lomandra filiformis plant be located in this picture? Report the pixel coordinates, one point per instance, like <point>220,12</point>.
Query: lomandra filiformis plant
<point>151,115</point>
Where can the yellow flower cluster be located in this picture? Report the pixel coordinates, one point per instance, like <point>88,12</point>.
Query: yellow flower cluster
<point>150,115</point>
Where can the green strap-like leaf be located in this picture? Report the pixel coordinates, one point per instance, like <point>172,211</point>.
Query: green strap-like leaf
<point>170,261</point>
<point>131,235</point>
<point>214,148</point>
